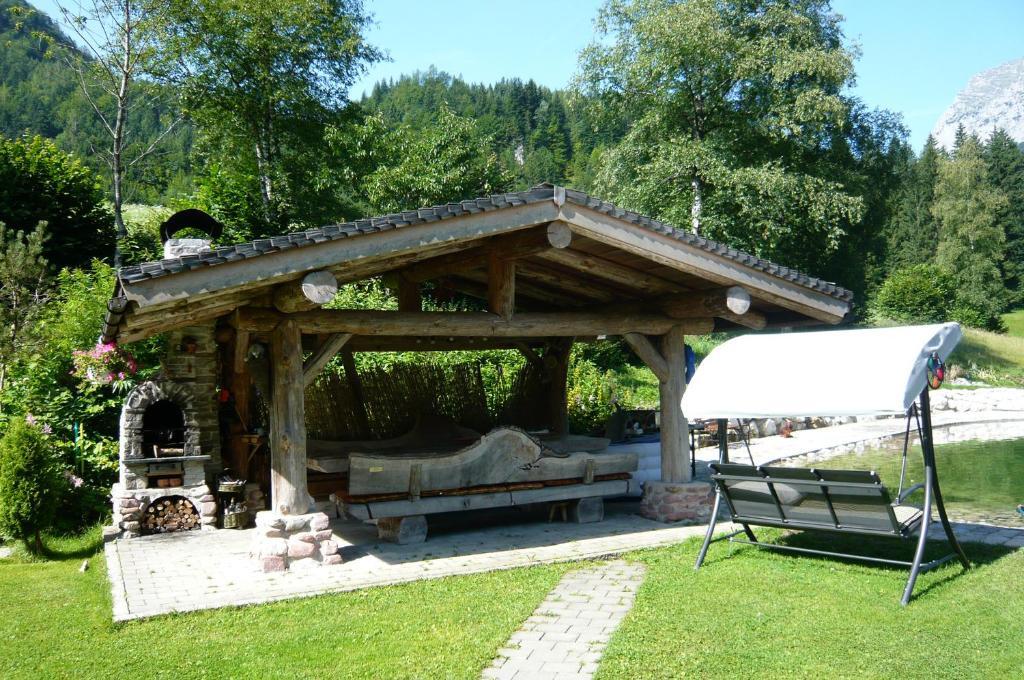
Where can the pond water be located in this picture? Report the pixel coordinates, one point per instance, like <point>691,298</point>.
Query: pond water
<point>981,481</point>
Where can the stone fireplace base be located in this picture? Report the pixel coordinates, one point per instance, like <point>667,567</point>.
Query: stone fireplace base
<point>130,504</point>
<point>283,542</point>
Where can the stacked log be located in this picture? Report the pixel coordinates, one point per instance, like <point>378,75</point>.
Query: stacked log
<point>170,514</point>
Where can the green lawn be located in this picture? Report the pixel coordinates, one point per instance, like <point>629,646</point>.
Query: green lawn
<point>746,613</point>
<point>55,622</point>
<point>1015,323</point>
<point>751,613</point>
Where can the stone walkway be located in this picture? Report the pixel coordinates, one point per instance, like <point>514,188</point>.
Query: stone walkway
<point>566,635</point>
<point>166,573</point>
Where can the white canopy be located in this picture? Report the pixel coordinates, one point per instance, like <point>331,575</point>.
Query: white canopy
<point>828,373</point>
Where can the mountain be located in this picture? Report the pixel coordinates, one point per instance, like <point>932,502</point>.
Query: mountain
<point>40,95</point>
<point>992,99</point>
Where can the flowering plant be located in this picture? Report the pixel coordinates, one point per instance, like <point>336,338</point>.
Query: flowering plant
<point>105,364</point>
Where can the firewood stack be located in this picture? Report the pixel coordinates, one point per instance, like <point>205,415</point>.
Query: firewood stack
<point>170,514</point>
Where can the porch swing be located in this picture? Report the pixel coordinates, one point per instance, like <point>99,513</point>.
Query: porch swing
<point>907,362</point>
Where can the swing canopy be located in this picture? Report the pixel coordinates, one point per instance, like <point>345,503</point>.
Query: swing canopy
<point>873,371</point>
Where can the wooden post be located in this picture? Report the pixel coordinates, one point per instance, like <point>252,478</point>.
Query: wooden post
<point>409,299</point>
<point>289,495</point>
<point>556,361</point>
<point>674,434</point>
<point>501,285</point>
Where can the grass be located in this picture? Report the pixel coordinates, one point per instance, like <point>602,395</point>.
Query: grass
<point>746,613</point>
<point>56,622</point>
<point>1015,323</point>
<point>751,613</point>
<point>993,358</point>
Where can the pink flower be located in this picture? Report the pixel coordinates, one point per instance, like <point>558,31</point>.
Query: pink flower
<point>73,479</point>
<point>31,419</point>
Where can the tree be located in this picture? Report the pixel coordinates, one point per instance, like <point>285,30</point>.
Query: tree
<point>731,103</point>
<point>116,40</point>
<point>913,233</point>
<point>1006,173</point>
<point>406,168</point>
<point>262,78</point>
<point>971,240</point>
<point>29,484</point>
<point>40,183</point>
<point>23,279</point>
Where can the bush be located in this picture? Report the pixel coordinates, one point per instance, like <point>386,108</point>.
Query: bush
<point>41,183</point>
<point>592,395</point>
<point>917,294</point>
<point>29,484</point>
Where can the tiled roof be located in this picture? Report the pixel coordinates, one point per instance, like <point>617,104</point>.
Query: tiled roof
<point>543,192</point>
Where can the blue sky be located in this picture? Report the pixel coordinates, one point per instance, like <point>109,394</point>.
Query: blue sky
<point>915,54</point>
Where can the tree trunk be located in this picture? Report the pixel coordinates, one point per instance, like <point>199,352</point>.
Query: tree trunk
<point>698,202</point>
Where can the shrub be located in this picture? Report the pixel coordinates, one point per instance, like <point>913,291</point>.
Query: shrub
<point>41,183</point>
<point>592,395</point>
<point>917,294</point>
<point>29,483</point>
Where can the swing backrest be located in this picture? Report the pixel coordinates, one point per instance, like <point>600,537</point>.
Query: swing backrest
<point>837,500</point>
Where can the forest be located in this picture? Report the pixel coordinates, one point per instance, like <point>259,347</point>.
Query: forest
<point>729,119</point>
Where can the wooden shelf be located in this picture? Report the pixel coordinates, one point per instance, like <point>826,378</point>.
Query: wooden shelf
<point>169,459</point>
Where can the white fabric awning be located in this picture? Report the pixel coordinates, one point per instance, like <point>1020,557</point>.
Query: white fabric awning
<point>828,373</point>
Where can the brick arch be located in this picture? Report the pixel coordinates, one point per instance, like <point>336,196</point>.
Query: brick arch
<point>182,395</point>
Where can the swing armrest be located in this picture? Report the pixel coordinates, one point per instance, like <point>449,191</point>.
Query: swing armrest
<point>906,492</point>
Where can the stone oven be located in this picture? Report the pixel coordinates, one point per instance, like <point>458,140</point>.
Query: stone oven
<point>170,443</point>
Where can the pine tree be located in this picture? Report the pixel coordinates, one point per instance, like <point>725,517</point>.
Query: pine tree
<point>913,233</point>
<point>1006,172</point>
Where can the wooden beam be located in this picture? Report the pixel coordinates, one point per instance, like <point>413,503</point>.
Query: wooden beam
<point>315,289</point>
<point>289,495</point>
<point>548,297</point>
<point>472,324</point>
<point>315,364</point>
<point>568,281</point>
<point>607,270</point>
<point>648,354</point>
<point>501,285</point>
<point>673,252</point>
<point>675,448</point>
<point>512,247</point>
<point>385,343</point>
<point>732,304</point>
<point>409,298</point>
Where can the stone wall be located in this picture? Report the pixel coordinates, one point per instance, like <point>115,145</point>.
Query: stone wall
<point>688,502</point>
<point>199,370</point>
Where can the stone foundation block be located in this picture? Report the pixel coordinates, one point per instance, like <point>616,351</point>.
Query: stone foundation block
<point>688,502</point>
<point>403,530</point>
<point>587,510</point>
<point>297,549</point>
<point>332,559</point>
<point>295,539</point>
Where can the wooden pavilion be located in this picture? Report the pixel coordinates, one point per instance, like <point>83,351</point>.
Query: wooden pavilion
<point>552,266</point>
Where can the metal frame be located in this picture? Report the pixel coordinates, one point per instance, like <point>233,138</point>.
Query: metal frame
<point>932,498</point>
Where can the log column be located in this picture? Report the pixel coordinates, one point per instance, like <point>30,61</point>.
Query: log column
<point>675,447</point>
<point>675,497</point>
<point>556,364</point>
<point>289,495</point>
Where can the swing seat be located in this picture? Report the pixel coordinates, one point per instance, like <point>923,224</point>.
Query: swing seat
<point>843,501</point>
<point>837,501</point>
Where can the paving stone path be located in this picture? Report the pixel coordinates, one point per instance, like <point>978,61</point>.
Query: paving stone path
<point>565,636</point>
